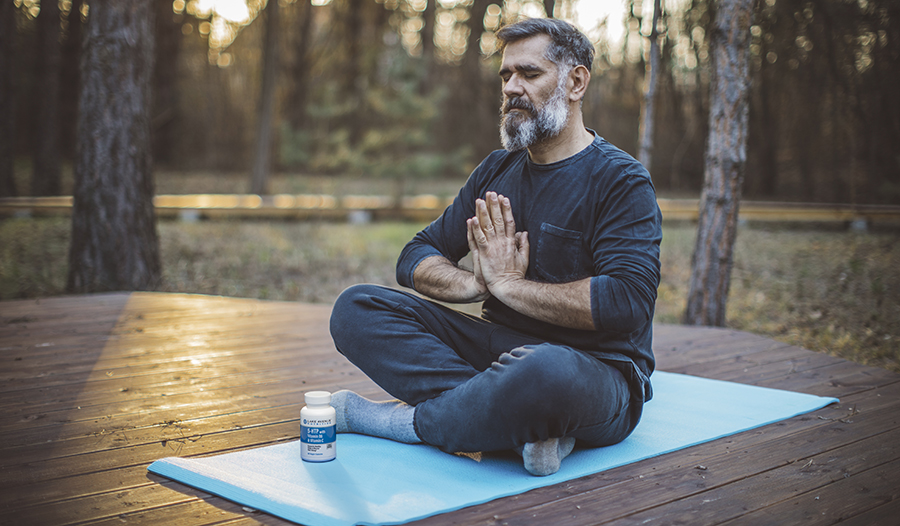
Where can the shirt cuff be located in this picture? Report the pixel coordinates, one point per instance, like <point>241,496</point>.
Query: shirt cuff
<point>410,260</point>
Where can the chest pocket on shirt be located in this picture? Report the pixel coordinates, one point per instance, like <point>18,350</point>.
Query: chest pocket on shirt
<point>560,256</point>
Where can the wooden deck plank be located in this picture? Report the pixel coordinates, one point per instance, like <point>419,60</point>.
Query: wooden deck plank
<point>664,481</point>
<point>845,497</point>
<point>745,497</point>
<point>94,388</point>
<point>208,511</point>
<point>886,513</point>
<point>137,377</point>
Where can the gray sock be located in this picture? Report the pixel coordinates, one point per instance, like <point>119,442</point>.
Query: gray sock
<point>392,420</point>
<point>543,458</point>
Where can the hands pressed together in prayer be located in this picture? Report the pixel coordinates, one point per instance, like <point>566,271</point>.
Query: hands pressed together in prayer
<point>499,253</point>
<point>500,258</point>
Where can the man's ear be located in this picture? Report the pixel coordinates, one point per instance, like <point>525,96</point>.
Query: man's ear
<point>579,78</point>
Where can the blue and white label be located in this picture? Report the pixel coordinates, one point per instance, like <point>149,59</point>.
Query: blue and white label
<point>317,443</point>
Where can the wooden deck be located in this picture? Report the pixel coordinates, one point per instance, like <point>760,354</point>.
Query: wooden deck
<point>94,388</point>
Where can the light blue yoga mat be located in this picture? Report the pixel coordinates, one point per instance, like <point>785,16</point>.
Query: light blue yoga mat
<point>375,481</point>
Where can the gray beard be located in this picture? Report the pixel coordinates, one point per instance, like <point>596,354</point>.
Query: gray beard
<point>520,131</point>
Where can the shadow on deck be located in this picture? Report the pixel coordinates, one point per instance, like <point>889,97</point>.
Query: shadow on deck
<point>95,388</point>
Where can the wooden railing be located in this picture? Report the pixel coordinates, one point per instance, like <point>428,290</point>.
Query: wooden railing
<point>427,207</point>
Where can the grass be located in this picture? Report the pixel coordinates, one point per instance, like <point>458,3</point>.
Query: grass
<point>308,262</point>
<point>836,292</point>
<point>833,292</point>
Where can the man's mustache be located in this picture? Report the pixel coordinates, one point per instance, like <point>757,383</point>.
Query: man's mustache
<point>517,103</point>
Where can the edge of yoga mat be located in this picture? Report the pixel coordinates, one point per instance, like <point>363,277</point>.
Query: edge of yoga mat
<point>226,475</point>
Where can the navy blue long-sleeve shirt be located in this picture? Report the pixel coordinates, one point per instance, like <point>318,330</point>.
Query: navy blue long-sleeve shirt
<point>593,215</point>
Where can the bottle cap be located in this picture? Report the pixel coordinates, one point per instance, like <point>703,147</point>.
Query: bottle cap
<point>318,398</point>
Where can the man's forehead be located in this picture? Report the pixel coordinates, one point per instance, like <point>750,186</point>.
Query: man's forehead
<point>527,53</point>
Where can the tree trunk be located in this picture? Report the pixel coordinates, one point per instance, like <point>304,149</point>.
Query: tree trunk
<point>165,111</point>
<point>548,7</point>
<point>7,102</point>
<point>768,132</point>
<point>478,109</point>
<point>470,119</point>
<point>69,80</point>
<point>645,150</point>
<point>263,156</point>
<point>300,68</point>
<point>45,178</point>
<point>725,162</point>
<point>428,17</point>
<point>114,240</point>
<point>352,22</point>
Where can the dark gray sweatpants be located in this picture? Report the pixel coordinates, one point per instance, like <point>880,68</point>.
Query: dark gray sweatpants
<point>477,385</point>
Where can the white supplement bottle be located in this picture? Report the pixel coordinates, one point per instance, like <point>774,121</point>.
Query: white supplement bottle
<point>317,428</point>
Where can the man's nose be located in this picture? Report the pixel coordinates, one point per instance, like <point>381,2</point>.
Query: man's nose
<point>513,87</point>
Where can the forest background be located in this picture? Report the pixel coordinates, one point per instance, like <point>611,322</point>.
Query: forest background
<point>403,95</point>
<point>407,89</point>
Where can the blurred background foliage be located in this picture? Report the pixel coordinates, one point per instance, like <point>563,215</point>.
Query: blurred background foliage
<point>401,96</point>
<point>407,89</point>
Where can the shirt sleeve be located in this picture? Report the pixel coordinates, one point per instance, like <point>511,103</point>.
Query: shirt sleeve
<point>446,236</point>
<point>626,256</point>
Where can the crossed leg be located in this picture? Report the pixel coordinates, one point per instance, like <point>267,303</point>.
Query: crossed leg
<point>464,384</point>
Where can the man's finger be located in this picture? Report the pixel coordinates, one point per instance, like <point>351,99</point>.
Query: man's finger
<point>483,217</point>
<point>496,213</point>
<point>522,246</point>
<point>477,233</point>
<point>508,220</point>
<point>471,229</point>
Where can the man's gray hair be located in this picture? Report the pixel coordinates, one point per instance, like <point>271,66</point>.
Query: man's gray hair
<point>569,46</point>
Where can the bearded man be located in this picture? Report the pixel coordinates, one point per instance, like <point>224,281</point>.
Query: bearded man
<point>564,233</point>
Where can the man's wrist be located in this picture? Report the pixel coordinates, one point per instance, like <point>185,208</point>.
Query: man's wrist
<point>480,291</point>
<point>504,288</point>
<point>442,280</point>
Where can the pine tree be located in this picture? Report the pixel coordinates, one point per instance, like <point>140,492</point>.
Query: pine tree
<point>114,240</point>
